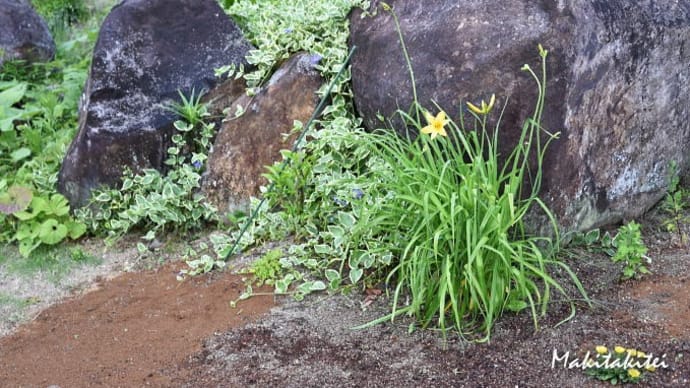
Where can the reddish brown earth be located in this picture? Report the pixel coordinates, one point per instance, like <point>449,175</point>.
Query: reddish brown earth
<point>125,331</point>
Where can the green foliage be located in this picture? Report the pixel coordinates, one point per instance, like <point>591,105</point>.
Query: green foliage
<point>454,218</point>
<point>61,14</point>
<point>268,269</point>
<point>280,28</point>
<point>297,204</point>
<point>595,241</point>
<point>675,204</point>
<point>205,263</point>
<point>45,221</point>
<point>630,250</point>
<point>152,201</point>
<point>38,118</point>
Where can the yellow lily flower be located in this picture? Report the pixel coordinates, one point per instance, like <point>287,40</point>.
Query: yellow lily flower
<point>601,349</point>
<point>485,108</point>
<point>619,349</point>
<point>436,124</point>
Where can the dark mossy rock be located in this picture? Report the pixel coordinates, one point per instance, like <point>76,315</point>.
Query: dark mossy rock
<point>24,35</point>
<point>146,52</point>
<point>617,90</point>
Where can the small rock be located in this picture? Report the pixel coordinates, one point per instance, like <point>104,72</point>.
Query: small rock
<point>248,143</point>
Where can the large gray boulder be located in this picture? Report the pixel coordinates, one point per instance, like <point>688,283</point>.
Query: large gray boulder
<point>23,33</point>
<point>146,51</point>
<point>617,91</point>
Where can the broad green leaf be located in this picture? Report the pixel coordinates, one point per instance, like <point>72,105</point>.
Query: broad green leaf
<point>332,274</point>
<point>27,246</point>
<point>318,286</point>
<point>20,154</point>
<point>103,197</point>
<point>281,286</point>
<point>57,205</point>
<point>13,95</point>
<point>75,229</point>
<point>16,199</point>
<point>27,231</point>
<point>141,248</point>
<point>592,236</point>
<point>355,275</point>
<point>52,232</point>
<point>37,206</point>
<point>346,220</point>
<point>126,184</point>
<point>322,249</point>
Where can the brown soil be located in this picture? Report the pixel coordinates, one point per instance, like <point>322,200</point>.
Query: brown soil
<point>146,329</point>
<point>125,331</point>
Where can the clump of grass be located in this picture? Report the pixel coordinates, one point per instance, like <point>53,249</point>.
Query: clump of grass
<point>456,220</point>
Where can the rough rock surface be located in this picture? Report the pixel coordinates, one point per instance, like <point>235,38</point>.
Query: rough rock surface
<point>248,143</point>
<point>147,50</point>
<point>23,33</point>
<point>617,91</point>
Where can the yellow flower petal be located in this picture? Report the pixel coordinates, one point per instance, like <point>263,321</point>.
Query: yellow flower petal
<point>435,125</point>
<point>601,349</point>
<point>641,354</point>
<point>650,368</point>
<point>491,103</point>
<point>619,349</point>
<point>474,108</point>
<point>632,352</point>
<point>634,373</point>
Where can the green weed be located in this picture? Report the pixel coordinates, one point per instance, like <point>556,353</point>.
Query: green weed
<point>60,15</point>
<point>631,251</point>
<point>441,222</point>
<point>675,204</point>
<point>268,269</point>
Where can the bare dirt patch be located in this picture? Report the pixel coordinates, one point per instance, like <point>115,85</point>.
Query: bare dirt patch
<point>125,330</point>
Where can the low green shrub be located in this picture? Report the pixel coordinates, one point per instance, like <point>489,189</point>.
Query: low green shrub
<point>153,201</point>
<point>674,204</point>
<point>631,251</point>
